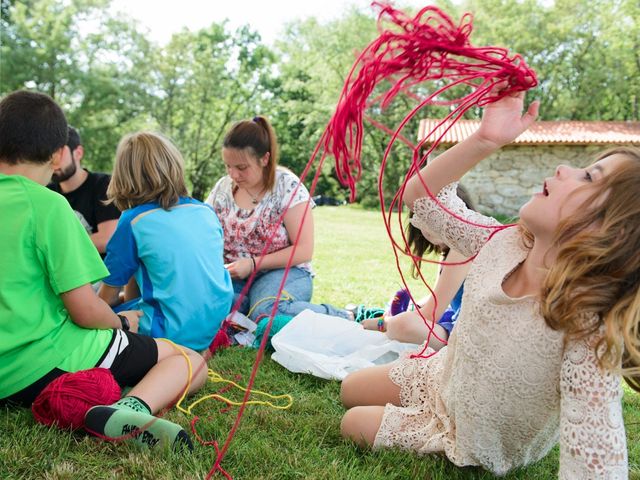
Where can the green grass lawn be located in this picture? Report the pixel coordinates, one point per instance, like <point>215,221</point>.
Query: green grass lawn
<point>354,263</point>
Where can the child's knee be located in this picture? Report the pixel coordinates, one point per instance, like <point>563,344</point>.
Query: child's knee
<point>346,424</point>
<point>406,329</point>
<point>359,425</point>
<point>199,370</point>
<point>396,329</point>
<point>346,391</point>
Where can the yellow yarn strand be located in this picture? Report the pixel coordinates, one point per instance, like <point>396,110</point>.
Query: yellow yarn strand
<point>216,378</point>
<point>286,296</point>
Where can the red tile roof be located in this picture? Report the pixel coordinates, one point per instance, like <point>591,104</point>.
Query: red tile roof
<point>547,132</point>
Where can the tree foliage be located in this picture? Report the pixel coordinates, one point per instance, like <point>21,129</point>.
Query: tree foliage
<point>111,79</point>
<point>100,78</point>
<point>586,54</point>
<point>207,80</point>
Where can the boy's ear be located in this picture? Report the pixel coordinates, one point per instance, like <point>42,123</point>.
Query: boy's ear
<point>56,158</point>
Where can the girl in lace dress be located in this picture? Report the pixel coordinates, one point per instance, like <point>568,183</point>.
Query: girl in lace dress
<point>550,311</point>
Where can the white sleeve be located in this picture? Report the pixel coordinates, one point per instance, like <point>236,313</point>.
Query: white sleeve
<point>592,437</point>
<point>291,190</point>
<point>217,191</point>
<point>209,200</point>
<point>441,227</point>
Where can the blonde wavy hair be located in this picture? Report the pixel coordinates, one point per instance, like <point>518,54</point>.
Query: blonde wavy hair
<point>595,278</point>
<point>148,168</point>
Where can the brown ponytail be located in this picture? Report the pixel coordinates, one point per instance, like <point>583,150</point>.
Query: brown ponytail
<point>259,138</point>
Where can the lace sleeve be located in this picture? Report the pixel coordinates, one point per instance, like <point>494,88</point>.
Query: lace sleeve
<point>440,227</point>
<point>592,436</point>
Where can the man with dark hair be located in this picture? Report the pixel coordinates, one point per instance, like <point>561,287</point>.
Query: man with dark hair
<point>51,321</point>
<point>86,192</point>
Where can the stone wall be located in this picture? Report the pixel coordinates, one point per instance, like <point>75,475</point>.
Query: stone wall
<point>504,182</point>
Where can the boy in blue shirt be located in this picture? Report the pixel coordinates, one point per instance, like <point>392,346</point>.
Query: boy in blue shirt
<point>171,244</point>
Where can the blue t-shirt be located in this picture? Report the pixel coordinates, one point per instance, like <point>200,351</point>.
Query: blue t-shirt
<point>176,257</point>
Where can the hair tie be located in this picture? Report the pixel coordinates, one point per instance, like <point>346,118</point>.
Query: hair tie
<point>256,119</point>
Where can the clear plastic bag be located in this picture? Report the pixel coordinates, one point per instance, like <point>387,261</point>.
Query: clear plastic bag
<point>332,347</point>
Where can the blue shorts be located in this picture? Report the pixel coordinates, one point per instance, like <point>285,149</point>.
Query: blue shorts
<point>448,320</point>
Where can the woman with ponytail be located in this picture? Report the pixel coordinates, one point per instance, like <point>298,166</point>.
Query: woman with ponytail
<point>266,215</point>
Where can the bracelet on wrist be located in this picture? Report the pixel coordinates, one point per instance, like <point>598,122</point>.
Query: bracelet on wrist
<point>124,321</point>
<point>381,325</point>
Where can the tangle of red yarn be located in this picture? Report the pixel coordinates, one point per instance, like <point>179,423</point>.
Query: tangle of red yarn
<point>66,400</point>
<point>221,340</point>
<point>407,53</point>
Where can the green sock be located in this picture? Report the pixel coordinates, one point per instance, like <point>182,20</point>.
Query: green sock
<point>131,415</point>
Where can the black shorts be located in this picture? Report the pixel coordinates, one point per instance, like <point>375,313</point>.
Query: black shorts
<point>129,356</point>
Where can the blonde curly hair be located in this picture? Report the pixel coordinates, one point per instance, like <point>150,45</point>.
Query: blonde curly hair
<point>595,279</point>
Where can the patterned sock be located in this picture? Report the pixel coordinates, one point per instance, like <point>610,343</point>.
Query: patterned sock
<point>133,403</point>
<point>132,416</point>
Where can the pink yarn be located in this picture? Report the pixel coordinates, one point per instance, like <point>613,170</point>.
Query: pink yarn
<point>66,400</point>
<point>421,57</point>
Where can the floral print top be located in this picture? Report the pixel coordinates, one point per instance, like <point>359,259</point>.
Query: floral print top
<point>248,232</point>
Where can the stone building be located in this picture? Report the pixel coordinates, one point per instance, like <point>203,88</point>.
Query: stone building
<point>502,183</point>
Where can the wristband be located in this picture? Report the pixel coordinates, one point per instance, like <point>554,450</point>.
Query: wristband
<point>381,325</point>
<point>125,323</point>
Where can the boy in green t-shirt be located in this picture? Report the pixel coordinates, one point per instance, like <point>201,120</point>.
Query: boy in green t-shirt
<point>51,321</point>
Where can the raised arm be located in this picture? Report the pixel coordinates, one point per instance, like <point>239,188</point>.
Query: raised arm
<point>592,436</point>
<point>501,123</point>
<point>441,226</point>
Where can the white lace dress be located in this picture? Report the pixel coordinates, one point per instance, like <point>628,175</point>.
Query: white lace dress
<point>504,390</point>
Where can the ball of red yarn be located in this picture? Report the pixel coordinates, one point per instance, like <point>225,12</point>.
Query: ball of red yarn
<point>67,399</point>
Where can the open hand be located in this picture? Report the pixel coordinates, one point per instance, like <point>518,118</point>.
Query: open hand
<point>503,121</point>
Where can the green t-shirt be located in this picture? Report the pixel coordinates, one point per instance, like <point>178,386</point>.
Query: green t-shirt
<point>44,251</point>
